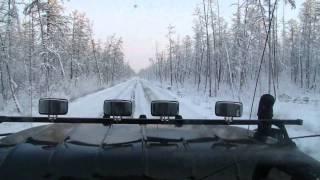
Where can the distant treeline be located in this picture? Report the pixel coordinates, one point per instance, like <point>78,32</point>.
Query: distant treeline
<point>44,52</point>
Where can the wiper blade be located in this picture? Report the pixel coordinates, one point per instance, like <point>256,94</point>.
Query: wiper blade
<point>122,144</point>
<point>5,134</point>
<point>162,140</point>
<point>177,140</point>
<point>34,141</point>
<point>203,139</point>
<point>6,145</point>
<point>82,143</point>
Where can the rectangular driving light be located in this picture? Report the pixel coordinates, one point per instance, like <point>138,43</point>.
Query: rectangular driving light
<point>53,106</point>
<point>164,108</point>
<point>115,107</point>
<point>228,109</point>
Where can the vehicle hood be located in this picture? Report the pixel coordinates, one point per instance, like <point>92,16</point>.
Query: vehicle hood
<point>134,151</point>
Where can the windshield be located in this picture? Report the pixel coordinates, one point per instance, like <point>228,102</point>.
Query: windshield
<point>196,52</point>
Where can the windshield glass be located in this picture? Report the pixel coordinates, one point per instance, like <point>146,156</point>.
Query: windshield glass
<point>195,52</point>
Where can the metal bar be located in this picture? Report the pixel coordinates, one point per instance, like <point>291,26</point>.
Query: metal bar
<point>147,121</point>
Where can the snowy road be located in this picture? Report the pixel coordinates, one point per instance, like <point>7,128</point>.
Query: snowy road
<point>92,105</point>
<point>142,92</point>
<point>139,91</point>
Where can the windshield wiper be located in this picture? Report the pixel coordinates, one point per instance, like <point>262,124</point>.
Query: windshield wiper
<point>122,144</point>
<point>34,141</point>
<point>174,141</point>
<point>162,140</point>
<point>5,134</point>
<point>82,143</point>
<point>203,139</point>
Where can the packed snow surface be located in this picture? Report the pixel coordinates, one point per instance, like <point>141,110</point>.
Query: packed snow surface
<point>192,105</point>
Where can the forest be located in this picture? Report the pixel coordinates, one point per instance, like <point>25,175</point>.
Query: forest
<point>46,53</point>
<point>259,46</point>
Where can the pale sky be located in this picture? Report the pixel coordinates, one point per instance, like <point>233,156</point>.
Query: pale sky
<point>143,23</point>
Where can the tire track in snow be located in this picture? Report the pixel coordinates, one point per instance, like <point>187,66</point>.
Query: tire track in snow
<point>187,110</point>
<point>92,105</point>
<point>128,94</point>
<point>142,104</point>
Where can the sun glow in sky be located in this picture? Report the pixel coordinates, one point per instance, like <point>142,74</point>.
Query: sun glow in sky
<point>143,23</point>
